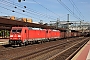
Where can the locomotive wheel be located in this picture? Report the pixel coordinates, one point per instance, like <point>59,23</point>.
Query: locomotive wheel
<point>21,44</point>
<point>48,40</point>
<point>41,42</point>
<point>31,42</point>
<point>44,41</point>
<point>26,42</point>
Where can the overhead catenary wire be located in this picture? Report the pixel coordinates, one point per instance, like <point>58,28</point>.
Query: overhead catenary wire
<point>29,10</point>
<point>15,7</point>
<point>69,10</point>
<point>10,4</point>
<point>46,8</point>
<point>4,13</point>
<point>11,10</point>
<point>76,8</point>
<point>16,12</point>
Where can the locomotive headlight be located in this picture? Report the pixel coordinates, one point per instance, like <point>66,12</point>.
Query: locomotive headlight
<point>11,35</point>
<point>19,35</point>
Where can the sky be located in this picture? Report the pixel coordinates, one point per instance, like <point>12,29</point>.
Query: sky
<point>47,10</point>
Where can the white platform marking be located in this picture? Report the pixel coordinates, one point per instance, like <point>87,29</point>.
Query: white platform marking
<point>88,56</point>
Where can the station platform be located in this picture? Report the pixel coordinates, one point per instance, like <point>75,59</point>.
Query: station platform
<point>84,53</point>
<point>4,41</point>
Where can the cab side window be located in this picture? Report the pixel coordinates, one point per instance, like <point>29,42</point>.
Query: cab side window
<point>47,31</point>
<point>25,31</point>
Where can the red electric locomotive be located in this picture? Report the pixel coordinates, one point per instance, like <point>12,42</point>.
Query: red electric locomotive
<point>25,35</point>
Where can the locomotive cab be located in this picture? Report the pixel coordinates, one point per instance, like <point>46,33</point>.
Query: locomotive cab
<point>18,35</point>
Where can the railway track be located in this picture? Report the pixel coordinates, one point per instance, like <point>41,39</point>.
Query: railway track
<point>67,54</point>
<point>8,47</point>
<point>38,51</point>
<point>76,48</point>
<point>48,55</point>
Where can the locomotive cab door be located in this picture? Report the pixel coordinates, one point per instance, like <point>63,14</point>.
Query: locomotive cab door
<point>26,34</point>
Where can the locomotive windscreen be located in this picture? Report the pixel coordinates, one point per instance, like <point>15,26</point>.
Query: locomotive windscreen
<point>16,30</point>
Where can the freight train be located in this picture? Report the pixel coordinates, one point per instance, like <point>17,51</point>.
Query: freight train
<point>25,35</point>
